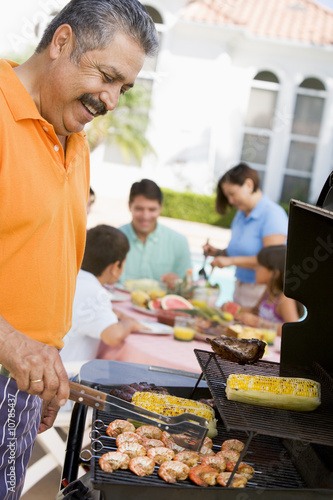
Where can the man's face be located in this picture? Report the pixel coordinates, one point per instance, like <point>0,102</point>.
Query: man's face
<point>144,215</point>
<point>76,93</point>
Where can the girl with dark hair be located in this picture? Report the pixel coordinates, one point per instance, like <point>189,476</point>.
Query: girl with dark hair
<point>259,222</point>
<point>274,308</point>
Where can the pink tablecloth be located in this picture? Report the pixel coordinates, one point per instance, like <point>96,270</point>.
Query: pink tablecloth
<point>161,350</point>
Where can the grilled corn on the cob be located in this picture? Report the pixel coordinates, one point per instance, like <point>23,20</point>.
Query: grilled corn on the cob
<point>173,405</point>
<point>276,392</point>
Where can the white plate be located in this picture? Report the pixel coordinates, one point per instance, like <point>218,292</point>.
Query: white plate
<point>119,286</point>
<point>155,328</point>
<point>118,297</point>
<point>144,310</point>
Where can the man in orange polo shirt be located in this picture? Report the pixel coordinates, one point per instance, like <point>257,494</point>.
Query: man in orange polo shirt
<point>87,57</point>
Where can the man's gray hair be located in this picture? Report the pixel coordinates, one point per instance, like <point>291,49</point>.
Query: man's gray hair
<point>96,22</point>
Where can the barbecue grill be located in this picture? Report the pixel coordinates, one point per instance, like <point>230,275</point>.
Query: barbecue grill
<point>292,452</point>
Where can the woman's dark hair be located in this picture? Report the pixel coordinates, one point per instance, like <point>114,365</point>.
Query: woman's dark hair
<point>147,188</point>
<point>105,245</point>
<point>274,258</point>
<point>96,22</point>
<point>236,175</point>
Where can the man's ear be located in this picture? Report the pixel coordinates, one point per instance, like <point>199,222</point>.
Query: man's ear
<point>63,39</point>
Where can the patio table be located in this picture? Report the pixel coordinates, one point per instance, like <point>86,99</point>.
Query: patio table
<point>162,350</point>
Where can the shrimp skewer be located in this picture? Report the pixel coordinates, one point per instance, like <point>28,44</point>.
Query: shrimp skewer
<point>190,458</point>
<point>238,481</point>
<point>172,471</point>
<point>206,451</point>
<point>217,462</point>
<point>231,450</point>
<point>243,468</point>
<point>128,437</point>
<point>203,475</point>
<point>113,460</point>
<point>208,442</point>
<point>233,444</point>
<point>149,431</point>
<point>161,454</point>
<point>142,466</point>
<point>118,427</point>
<point>151,443</point>
<point>132,449</point>
<point>229,455</point>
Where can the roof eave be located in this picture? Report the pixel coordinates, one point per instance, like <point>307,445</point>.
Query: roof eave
<point>240,30</point>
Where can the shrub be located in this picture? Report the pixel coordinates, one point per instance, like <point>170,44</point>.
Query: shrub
<point>194,207</point>
<point>197,208</point>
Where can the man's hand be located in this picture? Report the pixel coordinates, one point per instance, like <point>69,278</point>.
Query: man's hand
<point>49,412</point>
<point>36,367</point>
<point>169,279</point>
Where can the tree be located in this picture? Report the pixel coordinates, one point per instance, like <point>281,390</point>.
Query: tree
<point>125,126</point>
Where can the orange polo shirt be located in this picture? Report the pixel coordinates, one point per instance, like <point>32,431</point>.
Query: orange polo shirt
<point>43,198</point>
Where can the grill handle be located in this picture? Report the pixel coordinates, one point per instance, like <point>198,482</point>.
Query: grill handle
<point>87,396</point>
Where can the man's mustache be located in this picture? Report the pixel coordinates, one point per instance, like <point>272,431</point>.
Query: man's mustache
<point>99,106</point>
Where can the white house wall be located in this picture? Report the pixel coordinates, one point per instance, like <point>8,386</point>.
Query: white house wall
<point>200,99</point>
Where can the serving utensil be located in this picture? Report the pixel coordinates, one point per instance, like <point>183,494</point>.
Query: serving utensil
<point>202,271</point>
<point>187,430</point>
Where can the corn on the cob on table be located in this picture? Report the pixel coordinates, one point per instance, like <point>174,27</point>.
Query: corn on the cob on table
<point>276,392</point>
<point>173,405</point>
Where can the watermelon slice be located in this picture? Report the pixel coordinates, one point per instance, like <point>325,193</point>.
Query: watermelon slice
<point>231,307</point>
<point>154,304</point>
<point>175,302</point>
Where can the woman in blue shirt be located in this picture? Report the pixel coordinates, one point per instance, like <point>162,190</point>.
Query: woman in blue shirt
<point>259,222</point>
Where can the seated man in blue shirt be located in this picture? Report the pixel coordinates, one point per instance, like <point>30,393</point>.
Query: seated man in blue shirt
<point>156,251</point>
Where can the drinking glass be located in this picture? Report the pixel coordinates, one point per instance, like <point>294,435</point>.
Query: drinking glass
<point>184,328</point>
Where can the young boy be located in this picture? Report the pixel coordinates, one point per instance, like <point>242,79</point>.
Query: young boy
<point>93,317</point>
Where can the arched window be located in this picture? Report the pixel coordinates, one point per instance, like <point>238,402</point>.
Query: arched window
<point>307,118</point>
<point>259,120</point>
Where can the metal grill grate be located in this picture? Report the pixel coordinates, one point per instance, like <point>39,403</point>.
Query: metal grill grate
<point>273,465</point>
<point>312,427</point>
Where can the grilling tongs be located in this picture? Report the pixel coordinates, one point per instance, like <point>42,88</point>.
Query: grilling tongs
<point>187,430</point>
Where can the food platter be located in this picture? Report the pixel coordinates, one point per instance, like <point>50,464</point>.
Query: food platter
<point>145,284</point>
<point>154,328</point>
